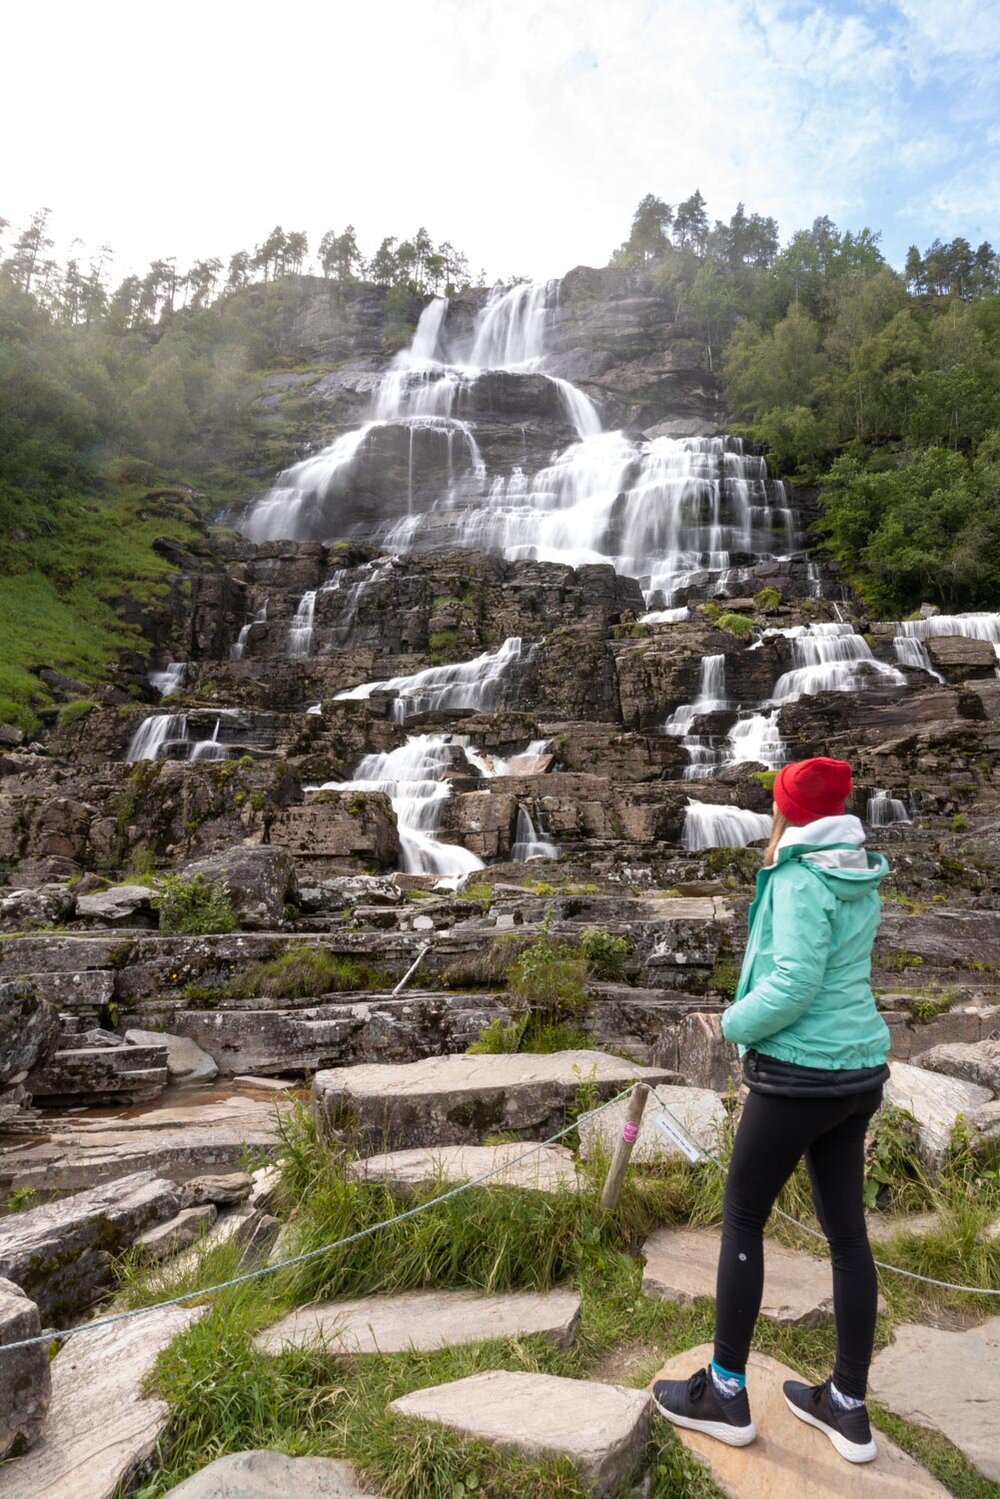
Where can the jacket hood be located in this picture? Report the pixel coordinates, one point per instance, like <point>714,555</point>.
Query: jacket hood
<point>834,848</point>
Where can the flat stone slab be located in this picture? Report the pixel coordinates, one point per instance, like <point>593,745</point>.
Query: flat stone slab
<point>699,1110</point>
<point>949,1381</point>
<point>173,1140</point>
<point>455,1100</point>
<point>422,1321</point>
<point>100,1426</point>
<point>550,1169</point>
<point>790,1458</point>
<point>935,1101</point>
<point>262,1475</point>
<point>601,1427</point>
<point>681,1265</point>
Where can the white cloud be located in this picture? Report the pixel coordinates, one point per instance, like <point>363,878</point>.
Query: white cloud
<point>525,130</point>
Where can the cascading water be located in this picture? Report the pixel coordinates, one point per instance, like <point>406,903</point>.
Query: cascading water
<point>884,810</point>
<point>913,653</point>
<point>411,776</point>
<point>300,631</point>
<point>529,844</point>
<point>156,734</point>
<point>911,634</point>
<point>481,685</point>
<point>209,749</point>
<point>756,740</point>
<point>711,698</point>
<point>237,651</point>
<point>170,679</point>
<point>829,658</point>
<point>709,826</point>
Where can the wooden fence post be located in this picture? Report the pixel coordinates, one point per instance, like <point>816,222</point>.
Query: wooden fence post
<point>623,1147</point>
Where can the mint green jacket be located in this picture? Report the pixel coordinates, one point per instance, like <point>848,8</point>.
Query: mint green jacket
<point>804,993</point>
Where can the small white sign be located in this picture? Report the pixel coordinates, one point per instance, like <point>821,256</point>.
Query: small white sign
<point>687,1147</point>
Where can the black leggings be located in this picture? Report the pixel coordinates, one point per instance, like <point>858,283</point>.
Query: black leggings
<point>773,1135</point>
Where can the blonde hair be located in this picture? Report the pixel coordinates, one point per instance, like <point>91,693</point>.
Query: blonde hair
<point>779,825</point>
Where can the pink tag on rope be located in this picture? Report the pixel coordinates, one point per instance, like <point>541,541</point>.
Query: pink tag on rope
<point>630,1132</point>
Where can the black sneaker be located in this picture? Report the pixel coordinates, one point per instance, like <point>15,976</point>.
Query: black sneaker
<point>696,1404</point>
<point>848,1430</point>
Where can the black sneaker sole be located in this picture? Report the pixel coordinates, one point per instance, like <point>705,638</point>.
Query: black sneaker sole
<point>722,1431</point>
<point>853,1452</point>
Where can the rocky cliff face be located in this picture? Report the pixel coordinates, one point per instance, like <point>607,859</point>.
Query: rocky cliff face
<point>524,615</point>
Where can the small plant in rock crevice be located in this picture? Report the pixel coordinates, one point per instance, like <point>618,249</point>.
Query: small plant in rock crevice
<point>193,907</point>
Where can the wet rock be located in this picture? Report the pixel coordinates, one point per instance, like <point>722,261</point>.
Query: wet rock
<point>190,1225</point>
<point>186,1062</point>
<point>29,1030</point>
<point>61,1254</point>
<point>260,882</point>
<point>25,1377</point>
<point>45,905</point>
<point>602,1428</point>
<point>121,905</point>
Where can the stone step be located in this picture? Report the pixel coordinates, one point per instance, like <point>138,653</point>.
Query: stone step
<point>789,1457</point>
<point>700,1111</point>
<point>550,1169</point>
<point>455,1100</point>
<point>601,1427</point>
<point>172,1140</point>
<point>131,1074</point>
<point>61,1254</point>
<point>101,1428</point>
<point>263,1474</point>
<point>946,1380</point>
<point>680,1265</point>
<point>423,1321</point>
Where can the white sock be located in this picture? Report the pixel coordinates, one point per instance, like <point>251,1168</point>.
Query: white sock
<point>844,1402</point>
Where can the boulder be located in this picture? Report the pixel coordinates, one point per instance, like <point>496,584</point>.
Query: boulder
<point>25,1378</point>
<point>977,1062</point>
<point>950,651</point>
<point>357,890</point>
<point>45,905</point>
<point>423,1321</point>
<point>698,1111</point>
<point>547,1168</point>
<point>186,1062</point>
<point>29,1030</point>
<point>102,1427</point>
<point>262,1475</point>
<point>132,1073</point>
<point>190,1225</point>
<point>223,1190</point>
<point>696,1048</point>
<point>455,1100</point>
<point>62,1253</point>
<point>121,905</point>
<point>983,1125</point>
<point>936,1102</point>
<point>602,1428</point>
<point>260,882</point>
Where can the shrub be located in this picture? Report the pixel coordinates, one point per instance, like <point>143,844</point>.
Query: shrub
<point>767,600</point>
<point>765,778</point>
<point>194,906</point>
<point>892,1163</point>
<point>547,979</point>
<point>604,953</point>
<point>735,624</point>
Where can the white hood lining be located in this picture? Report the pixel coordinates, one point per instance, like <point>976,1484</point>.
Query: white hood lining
<point>824,831</point>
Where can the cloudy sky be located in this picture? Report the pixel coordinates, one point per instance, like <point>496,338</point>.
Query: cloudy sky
<point>523,130</point>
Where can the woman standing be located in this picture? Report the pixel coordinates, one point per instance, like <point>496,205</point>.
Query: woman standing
<point>813,1046</point>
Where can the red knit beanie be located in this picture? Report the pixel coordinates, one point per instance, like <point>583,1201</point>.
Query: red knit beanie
<point>809,789</point>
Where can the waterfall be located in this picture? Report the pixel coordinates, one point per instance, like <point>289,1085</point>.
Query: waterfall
<point>709,826</point>
<point>300,632</point>
<point>481,685</point>
<point>238,650</point>
<point>411,777</point>
<point>154,734</point>
<point>911,633</point>
<point>913,653</point>
<point>510,332</point>
<point>170,679</point>
<point>829,658</point>
<point>711,698</point>
<point>525,763</point>
<point>302,493</point>
<point>884,809</point>
<point>665,616</point>
<point>756,739</point>
<point>209,749</point>
<point>528,844</point>
<point>579,408</point>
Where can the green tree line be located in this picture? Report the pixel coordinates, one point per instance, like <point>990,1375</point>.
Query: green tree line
<point>881,388</point>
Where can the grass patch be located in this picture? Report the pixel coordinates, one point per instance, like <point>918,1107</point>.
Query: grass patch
<point>193,906</point>
<point>303,971</point>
